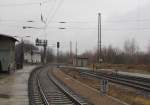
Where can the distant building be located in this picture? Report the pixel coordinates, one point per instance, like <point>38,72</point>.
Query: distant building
<point>80,61</point>
<point>32,57</point>
<point>7,52</point>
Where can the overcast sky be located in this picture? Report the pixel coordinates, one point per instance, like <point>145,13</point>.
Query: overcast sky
<point>121,20</point>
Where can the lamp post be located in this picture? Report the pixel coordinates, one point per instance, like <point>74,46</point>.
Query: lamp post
<point>99,56</point>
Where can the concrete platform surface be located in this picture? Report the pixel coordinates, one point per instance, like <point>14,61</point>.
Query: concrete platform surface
<point>14,87</point>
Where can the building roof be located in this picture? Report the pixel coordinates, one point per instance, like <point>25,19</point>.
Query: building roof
<point>4,36</point>
<point>36,52</point>
<point>33,51</point>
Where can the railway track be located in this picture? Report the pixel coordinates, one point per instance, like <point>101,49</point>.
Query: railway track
<point>131,81</point>
<point>141,85</point>
<point>45,89</point>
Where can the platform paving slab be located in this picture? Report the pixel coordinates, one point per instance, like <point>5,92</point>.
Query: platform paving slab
<point>14,87</point>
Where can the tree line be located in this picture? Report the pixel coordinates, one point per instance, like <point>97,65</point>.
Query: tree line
<point>130,54</point>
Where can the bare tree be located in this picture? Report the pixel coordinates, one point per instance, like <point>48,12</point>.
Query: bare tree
<point>131,47</point>
<point>89,55</point>
<point>131,50</point>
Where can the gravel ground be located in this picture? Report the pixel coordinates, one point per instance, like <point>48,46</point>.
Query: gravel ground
<point>123,93</point>
<point>91,94</point>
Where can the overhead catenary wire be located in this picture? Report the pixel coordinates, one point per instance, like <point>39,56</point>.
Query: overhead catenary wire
<point>55,11</point>
<point>106,21</point>
<point>48,18</point>
<point>81,22</point>
<point>89,28</point>
<point>50,10</point>
<point>22,4</point>
<point>51,15</point>
<point>11,20</point>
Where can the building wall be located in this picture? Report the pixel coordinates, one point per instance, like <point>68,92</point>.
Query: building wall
<point>7,54</point>
<point>27,57</point>
<point>35,58</point>
<point>80,62</point>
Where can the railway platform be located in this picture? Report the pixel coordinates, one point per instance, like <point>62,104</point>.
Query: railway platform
<point>14,87</point>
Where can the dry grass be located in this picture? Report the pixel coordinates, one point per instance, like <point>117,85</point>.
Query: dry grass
<point>127,95</point>
<point>141,101</point>
<point>124,67</point>
<point>130,96</point>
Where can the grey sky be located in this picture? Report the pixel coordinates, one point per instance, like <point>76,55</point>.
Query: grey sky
<point>121,19</point>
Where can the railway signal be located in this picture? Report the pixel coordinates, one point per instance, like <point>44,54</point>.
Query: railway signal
<point>43,43</point>
<point>58,44</point>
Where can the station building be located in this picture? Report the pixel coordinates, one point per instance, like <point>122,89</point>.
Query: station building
<point>7,52</point>
<point>33,57</point>
<point>80,62</point>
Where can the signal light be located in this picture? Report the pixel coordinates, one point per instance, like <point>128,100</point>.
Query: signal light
<point>58,44</point>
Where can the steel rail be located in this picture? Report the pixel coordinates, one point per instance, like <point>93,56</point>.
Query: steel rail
<point>45,91</point>
<point>33,90</point>
<point>125,79</point>
<point>43,96</point>
<point>74,97</point>
<point>119,81</point>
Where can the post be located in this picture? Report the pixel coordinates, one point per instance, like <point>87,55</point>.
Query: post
<point>104,86</point>
<point>31,56</point>
<point>22,53</point>
<point>99,50</point>
<point>44,46</point>
<point>44,54</point>
<point>58,45</point>
<point>76,57</point>
<point>57,56</point>
<point>71,60</point>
